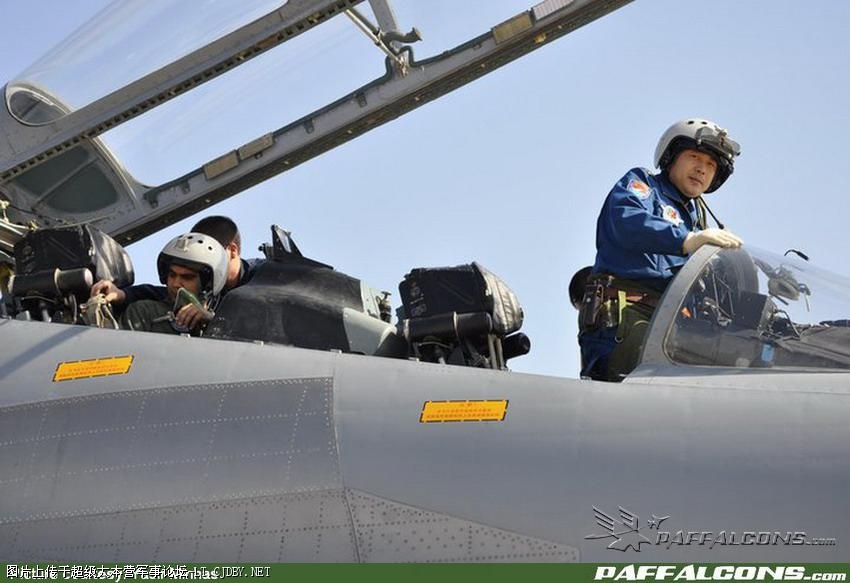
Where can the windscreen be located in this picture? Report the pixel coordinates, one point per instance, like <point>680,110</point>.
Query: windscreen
<point>752,308</point>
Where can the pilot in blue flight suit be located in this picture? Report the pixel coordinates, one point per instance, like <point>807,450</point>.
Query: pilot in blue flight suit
<point>648,226</point>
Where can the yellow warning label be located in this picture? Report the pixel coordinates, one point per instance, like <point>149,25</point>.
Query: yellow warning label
<point>96,367</point>
<point>446,411</point>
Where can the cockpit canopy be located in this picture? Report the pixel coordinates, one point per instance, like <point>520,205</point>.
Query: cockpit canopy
<point>181,114</point>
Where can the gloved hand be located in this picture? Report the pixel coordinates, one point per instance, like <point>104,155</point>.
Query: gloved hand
<point>717,237</point>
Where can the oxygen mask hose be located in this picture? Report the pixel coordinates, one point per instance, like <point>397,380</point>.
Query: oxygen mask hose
<point>184,298</point>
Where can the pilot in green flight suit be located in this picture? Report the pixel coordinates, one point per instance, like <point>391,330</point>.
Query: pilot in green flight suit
<point>193,268</point>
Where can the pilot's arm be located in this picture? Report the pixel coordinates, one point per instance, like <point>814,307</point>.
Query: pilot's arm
<point>632,220</point>
<point>119,298</point>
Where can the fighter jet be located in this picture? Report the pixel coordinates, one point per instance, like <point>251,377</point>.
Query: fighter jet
<point>304,425</point>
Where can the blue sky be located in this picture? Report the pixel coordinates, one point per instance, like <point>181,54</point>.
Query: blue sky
<point>511,171</point>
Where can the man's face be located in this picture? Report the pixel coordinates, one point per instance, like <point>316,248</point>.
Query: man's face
<point>179,276</point>
<point>234,266</point>
<point>692,172</point>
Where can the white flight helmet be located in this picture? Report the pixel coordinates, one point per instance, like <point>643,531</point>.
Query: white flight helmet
<point>196,251</point>
<point>702,135</point>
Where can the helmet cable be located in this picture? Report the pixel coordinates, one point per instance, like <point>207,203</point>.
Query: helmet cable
<point>701,203</point>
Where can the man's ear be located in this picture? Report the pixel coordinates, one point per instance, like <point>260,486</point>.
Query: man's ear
<point>232,251</point>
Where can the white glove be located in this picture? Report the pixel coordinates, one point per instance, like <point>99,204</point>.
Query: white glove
<point>717,237</point>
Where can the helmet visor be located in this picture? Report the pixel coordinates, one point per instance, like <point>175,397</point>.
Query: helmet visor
<point>717,140</point>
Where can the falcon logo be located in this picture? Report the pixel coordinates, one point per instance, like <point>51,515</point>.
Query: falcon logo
<point>625,531</point>
<point>639,188</point>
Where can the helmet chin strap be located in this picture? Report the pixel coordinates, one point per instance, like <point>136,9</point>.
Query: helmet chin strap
<point>703,207</point>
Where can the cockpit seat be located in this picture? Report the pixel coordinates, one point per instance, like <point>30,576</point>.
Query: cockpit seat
<point>304,304</point>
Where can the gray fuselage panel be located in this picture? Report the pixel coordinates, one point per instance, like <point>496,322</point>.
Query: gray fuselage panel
<point>216,450</point>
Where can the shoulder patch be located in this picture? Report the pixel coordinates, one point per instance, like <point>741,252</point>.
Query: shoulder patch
<point>638,187</point>
<point>672,215</point>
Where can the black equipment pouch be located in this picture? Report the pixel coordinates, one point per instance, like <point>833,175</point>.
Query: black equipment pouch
<point>597,312</point>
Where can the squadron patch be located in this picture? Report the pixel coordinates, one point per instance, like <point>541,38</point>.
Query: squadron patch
<point>639,188</point>
<point>671,214</point>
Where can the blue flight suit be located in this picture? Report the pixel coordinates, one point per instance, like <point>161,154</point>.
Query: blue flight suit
<point>639,236</point>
